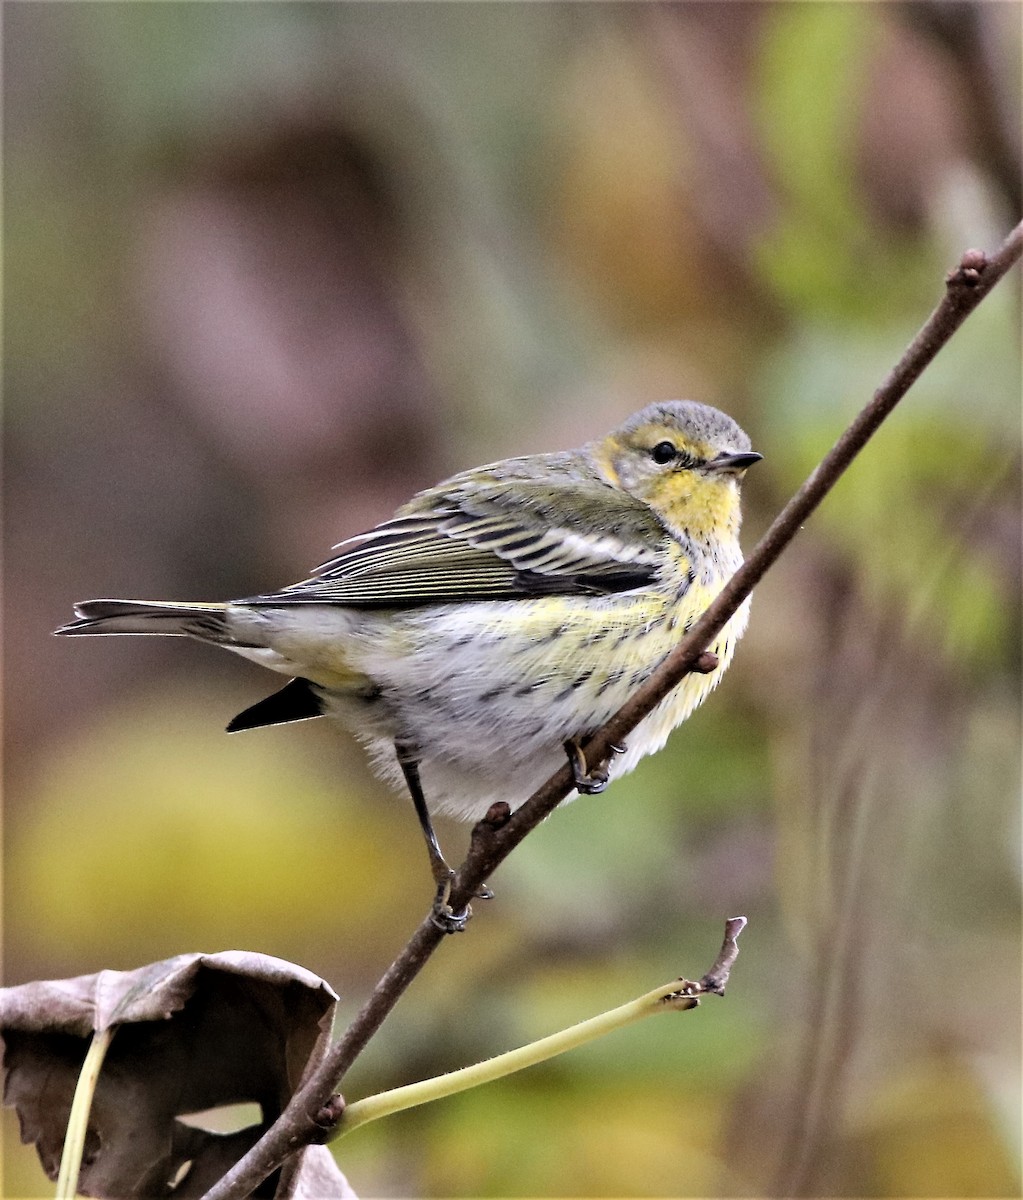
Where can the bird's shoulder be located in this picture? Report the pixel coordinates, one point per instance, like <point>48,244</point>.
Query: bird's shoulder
<point>564,489</point>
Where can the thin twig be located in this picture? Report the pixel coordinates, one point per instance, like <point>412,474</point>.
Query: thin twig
<point>716,979</point>
<point>680,995</point>
<point>966,286</point>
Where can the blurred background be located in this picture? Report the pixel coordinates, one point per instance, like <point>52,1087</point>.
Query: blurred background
<point>270,268</point>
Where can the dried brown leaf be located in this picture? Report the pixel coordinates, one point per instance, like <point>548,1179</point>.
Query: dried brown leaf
<point>194,1032</point>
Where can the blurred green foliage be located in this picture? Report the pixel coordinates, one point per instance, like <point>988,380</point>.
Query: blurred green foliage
<point>272,267</point>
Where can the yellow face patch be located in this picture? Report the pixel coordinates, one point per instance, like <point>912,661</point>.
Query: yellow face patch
<point>689,499</point>
<point>704,506</point>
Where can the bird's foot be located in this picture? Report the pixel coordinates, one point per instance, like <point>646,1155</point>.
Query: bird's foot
<point>589,781</point>
<point>443,915</point>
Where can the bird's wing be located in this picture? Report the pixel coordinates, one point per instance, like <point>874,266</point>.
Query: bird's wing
<point>493,534</point>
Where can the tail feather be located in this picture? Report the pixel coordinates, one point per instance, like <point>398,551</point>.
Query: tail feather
<point>205,621</point>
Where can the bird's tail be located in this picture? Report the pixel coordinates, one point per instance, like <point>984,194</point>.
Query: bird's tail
<point>208,622</point>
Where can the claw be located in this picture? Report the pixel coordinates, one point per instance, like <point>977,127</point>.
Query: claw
<point>588,781</point>
<point>443,916</point>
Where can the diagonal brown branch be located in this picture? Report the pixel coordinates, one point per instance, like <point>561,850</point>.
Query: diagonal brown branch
<point>494,839</point>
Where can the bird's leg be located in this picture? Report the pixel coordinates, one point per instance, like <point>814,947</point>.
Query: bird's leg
<point>589,781</point>
<point>443,915</point>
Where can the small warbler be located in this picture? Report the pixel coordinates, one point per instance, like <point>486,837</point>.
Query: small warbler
<point>499,617</point>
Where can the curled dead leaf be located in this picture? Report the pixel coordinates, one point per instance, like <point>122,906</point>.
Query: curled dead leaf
<point>195,1032</point>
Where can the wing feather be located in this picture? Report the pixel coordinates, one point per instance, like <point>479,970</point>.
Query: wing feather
<point>532,528</point>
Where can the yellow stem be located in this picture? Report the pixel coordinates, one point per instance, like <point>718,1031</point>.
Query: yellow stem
<point>78,1119</point>
<point>678,995</point>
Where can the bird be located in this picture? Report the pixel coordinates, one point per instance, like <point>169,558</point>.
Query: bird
<point>499,617</point>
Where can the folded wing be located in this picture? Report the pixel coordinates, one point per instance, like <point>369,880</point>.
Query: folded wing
<point>551,529</point>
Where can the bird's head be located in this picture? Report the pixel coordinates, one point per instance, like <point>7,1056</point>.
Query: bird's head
<point>685,460</point>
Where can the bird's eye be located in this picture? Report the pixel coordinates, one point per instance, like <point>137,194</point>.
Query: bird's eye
<point>664,452</point>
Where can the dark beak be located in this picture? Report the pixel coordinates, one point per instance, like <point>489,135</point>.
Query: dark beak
<point>734,462</point>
